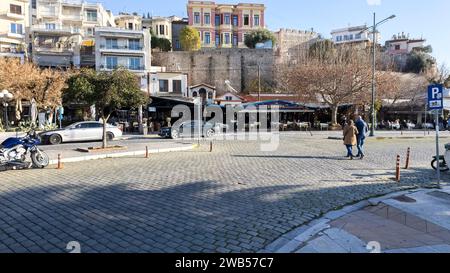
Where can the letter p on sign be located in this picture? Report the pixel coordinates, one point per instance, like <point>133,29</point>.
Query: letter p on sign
<point>435,97</point>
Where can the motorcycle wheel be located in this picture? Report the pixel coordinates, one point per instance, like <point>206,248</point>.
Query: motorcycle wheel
<point>40,160</point>
<point>442,165</point>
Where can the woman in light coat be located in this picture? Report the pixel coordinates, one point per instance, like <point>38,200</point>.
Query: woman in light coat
<point>350,140</point>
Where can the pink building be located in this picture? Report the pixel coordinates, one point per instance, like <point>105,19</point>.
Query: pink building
<point>224,25</point>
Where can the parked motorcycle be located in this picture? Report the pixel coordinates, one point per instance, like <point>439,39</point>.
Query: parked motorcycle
<point>15,150</point>
<point>443,160</point>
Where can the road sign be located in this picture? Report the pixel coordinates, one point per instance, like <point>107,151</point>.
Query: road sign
<point>435,97</point>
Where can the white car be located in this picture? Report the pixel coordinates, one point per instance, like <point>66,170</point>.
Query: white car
<point>81,131</point>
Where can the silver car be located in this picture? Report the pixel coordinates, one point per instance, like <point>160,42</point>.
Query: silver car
<point>81,131</point>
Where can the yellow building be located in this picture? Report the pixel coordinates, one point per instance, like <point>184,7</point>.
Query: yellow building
<point>128,21</point>
<point>14,23</point>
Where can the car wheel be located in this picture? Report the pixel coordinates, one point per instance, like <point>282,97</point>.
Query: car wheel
<point>174,134</point>
<point>110,136</point>
<point>55,139</point>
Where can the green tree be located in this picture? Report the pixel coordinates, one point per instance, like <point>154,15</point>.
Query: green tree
<point>190,39</point>
<point>162,43</point>
<point>107,91</point>
<point>259,36</point>
<point>322,49</point>
<point>418,62</point>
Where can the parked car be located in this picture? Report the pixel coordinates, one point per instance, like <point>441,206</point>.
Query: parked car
<point>189,129</point>
<point>81,131</point>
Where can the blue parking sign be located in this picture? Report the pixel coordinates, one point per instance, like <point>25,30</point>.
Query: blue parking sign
<point>435,97</point>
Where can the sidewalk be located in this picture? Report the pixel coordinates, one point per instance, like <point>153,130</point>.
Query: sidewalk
<point>416,221</point>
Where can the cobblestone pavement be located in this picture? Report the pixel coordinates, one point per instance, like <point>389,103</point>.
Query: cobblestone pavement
<point>235,199</point>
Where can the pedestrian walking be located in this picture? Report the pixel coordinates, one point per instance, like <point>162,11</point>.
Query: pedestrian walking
<point>350,140</point>
<point>363,129</point>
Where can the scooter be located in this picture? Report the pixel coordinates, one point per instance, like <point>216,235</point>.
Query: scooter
<point>443,160</point>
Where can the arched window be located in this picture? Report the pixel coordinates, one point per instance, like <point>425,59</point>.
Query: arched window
<point>194,94</point>
<point>210,95</point>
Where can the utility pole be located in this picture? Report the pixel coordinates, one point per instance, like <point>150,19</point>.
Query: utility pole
<point>374,42</point>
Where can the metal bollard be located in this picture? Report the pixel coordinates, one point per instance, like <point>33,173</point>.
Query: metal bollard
<point>146,152</point>
<point>397,170</point>
<point>211,147</point>
<point>408,155</point>
<point>60,164</point>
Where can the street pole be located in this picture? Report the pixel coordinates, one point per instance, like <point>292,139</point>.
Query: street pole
<point>437,150</point>
<point>259,82</point>
<point>372,130</point>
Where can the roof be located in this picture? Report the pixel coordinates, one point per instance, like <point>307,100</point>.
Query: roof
<point>202,84</point>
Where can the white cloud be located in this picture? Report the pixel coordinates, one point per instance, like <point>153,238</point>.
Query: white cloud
<point>374,2</point>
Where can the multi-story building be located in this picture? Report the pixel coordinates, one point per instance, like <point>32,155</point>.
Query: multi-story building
<point>402,44</point>
<point>14,22</point>
<point>129,21</point>
<point>354,35</point>
<point>63,31</point>
<point>224,25</point>
<point>177,26</point>
<point>161,27</point>
<point>125,48</point>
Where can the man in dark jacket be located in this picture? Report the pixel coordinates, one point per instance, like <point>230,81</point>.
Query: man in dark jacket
<point>363,128</point>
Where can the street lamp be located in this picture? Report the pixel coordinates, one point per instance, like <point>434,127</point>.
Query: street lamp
<point>374,42</point>
<point>5,97</point>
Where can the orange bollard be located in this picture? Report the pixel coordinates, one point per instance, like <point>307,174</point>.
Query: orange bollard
<point>408,155</point>
<point>146,152</point>
<point>60,164</point>
<point>397,170</point>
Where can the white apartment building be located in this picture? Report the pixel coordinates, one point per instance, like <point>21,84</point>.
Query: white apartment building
<point>168,84</point>
<point>14,23</point>
<point>62,34</point>
<point>130,49</point>
<point>357,34</point>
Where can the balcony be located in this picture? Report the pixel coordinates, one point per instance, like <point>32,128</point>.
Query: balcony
<point>121,49</point>
<point>72,17</point>
<point>12,15</point>
<point>131,68</point>
<point>52,49</point>
<point>63,30</point>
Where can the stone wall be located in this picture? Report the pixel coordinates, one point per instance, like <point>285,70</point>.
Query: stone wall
<point>292,44</point>
<point>215,66</point>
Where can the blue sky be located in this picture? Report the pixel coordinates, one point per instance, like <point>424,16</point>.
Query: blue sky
<point>420,18</point>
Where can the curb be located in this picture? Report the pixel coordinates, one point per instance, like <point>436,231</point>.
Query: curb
<point>291,241</point>
<point>118,155</point>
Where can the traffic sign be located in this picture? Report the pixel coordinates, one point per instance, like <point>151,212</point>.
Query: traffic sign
<point>435,97</point>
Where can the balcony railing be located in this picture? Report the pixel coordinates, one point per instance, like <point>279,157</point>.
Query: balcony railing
<point>57,29</point>
<point>116,47</point>
<point>13,15</point>
<point>132,68</point>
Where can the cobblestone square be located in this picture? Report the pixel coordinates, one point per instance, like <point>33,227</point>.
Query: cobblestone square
<point>235,199</point>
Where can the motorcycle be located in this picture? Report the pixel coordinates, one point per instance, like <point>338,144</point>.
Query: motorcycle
<point>15,149</point>
<point>443,160</point>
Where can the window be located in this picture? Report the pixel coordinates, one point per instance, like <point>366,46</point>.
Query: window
<point>235,40</point>
<point>177,44</point>
<point>194,94</point>
<point>235,20</point>
<point>338,38</point>
<point>227,19</point>
<point>350,37</point>
<point>135,63</point>
<point>217,20</point>
<point>207,19</point>
<point>161,30</point>
<point>130,26</point>
<point>176,86</point>
<point>16,28</point>
<point>227,38</point>
<point>397,47</point>
<point>210,95</point>
<point>50,26</point>
<point>111,62</point>
<point>16,9</point>
<point>91,15</point>
<point>345,37</point>
<point>217,39</point>
<point>256,20</point>
<point>90,31</point>
<point>33,4</point>
<point>163,85</point>
<point>134,44</point>
<point>111,44</point>
<point>246,20</point>
<point>207,38</point>
<point>228,98</point>
<point>358,36</point>
<point>196,17</point>
<point>92,125</point>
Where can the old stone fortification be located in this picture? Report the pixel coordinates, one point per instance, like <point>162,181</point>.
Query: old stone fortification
<point>215,66</point>
<point>292,44</point>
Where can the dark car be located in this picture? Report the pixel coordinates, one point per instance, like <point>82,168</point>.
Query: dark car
<point>189,129</point>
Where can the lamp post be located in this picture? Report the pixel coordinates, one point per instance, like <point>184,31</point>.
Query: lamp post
<point>374,50</point>
<point>5,97</point>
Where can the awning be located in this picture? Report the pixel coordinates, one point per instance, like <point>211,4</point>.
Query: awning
<point>88,43</point>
